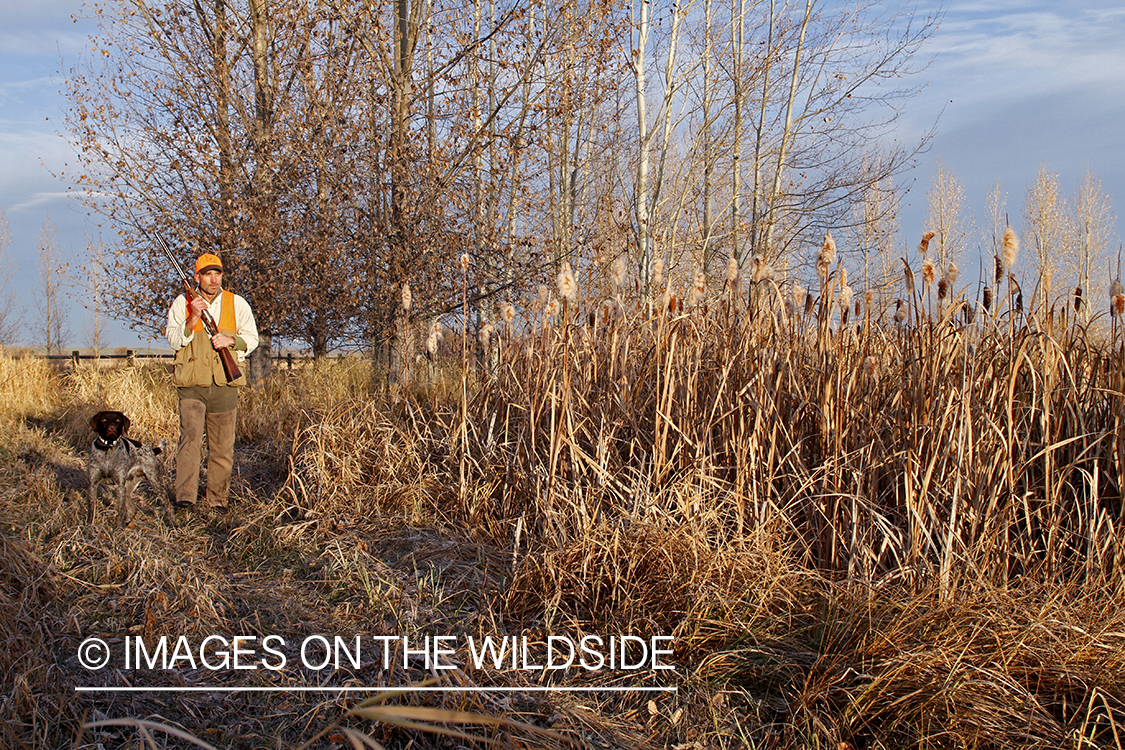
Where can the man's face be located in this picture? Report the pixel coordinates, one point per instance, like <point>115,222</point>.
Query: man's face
<point>210,281</point>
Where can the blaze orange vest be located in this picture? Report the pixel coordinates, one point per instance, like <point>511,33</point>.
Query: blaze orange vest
<point>198,363</point>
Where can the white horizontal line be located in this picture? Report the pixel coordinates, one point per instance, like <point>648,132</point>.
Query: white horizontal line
<point>92,689</point>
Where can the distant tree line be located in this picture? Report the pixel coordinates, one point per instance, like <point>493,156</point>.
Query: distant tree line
<point>332,150</point>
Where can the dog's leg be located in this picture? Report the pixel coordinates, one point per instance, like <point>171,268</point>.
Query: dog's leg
<point>91,496</point>
<point>123,491</point>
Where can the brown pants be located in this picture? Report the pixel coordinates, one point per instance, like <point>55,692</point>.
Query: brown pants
<point>219,426</point>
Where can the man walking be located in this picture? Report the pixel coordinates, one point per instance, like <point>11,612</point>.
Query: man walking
<point>208,403</point>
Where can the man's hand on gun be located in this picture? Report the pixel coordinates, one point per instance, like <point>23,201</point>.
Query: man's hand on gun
<point>195,312</point>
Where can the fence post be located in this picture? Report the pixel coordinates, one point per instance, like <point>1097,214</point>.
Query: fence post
<point>74,359</point>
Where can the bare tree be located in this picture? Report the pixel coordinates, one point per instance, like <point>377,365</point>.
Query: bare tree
<point>52,326</point>
<point>1092,223</point>
<point>11,316</point>
<point>1046,233</point>
<point>947,217</point>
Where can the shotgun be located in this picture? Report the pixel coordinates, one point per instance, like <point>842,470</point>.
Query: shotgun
<point>230,367</point>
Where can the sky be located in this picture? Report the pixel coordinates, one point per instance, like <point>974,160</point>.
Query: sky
<point>1012,86</point>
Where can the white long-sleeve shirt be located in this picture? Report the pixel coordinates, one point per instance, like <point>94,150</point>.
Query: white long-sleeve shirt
<point>246,331</point>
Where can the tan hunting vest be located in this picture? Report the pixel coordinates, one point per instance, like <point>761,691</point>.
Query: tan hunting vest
<point>198,363</point>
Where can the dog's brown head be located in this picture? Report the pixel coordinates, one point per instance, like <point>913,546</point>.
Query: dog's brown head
<point>111,426</point>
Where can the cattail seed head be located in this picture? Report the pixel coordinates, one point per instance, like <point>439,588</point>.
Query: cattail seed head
<point>1118,305</point>
<point>699,287</point>
<point>1115,288</point>
<point>900,313</point>
<point>928,272</point>
<point>543,293</point>
<point>987,301</point>
<point>568,289</point>
<point>1011,247</point>
<point>553,307</point>
<point>507,312</point>
<point>822,266</point>
<point>432,342</point>
<point>999,270</point>
<point>1077,299</point>
<point>829,250</point>
<point>620,271</point>
<point>869,299</point>
<point>464,262</point>
<point>657,271</point>
<point>732,270</point>
<point>407,298</point>
<point>870,364</point>
<point>843,276</point>
<point>486,333</point>
<point>924,245</point>
<point>942,289</point>
<point>846,298</point>
<point>809,302</point>
<point>909,276</point>
<point>952,273</point>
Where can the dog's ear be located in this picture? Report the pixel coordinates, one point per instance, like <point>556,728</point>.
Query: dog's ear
<point>124,424</point>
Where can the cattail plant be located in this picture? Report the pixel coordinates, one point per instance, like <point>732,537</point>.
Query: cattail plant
<point>1011,248</point>
<point>987,299</point>
<point>952,273</point>
<point>568,289</point>
<point>508,315</point>
<point>486,332</point>
<point>928,273</point>
<point>698,287</point>
<point>908,275</point>
<point>924,245</point>
<point>407,298</point>
<point>826,258</point>
<point>620,272</point>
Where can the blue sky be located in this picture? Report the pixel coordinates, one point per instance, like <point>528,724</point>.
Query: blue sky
<point>1018,85</point>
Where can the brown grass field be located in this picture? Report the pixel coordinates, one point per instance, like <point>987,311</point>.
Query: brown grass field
<point>860,535</point>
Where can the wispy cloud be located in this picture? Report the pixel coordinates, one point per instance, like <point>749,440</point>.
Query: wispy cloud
<point>1008,50</point>
<point>47,198</point>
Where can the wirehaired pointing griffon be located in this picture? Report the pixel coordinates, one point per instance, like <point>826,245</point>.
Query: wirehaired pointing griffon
<point>123,463</point>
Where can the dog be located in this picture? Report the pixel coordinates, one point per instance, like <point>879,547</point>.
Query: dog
<point>124,462</point>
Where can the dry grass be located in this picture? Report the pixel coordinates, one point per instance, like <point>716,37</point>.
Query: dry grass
<point>861,534</point>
